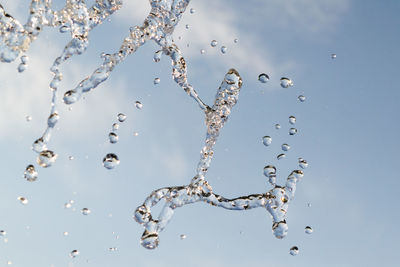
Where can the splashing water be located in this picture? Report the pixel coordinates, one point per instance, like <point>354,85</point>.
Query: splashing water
<point>77,19</point>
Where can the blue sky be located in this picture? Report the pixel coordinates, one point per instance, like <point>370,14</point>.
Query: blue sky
<point>348,132</point>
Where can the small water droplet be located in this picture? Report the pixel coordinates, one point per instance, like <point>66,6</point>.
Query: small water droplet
<point>183,236</point>
<point>46,158</point>
<point>30,173</point>
<point>113,249</point>
<point>267,140</point>
<point>24,59</point>
<point>286,82</point>
<point>85,211</point>
<point>138,105</point>
<point>39,145</point>
<point>68,205</point>
<point>333,56</point>
<point>235,40</point>
<point>28,118</point>
<point>263,78</point>
<point>71,157</point>
<point>64,29</point>
<point>113,137</point>
<point>294,251</point>
<point>308,230</point>
<point>270,171</point>
<point>22,67</point>
<point>65,233</point>
<point>121,117</point>
<point>292,131</point>
<point>115,126</point>
<point>214,43</point>
<point>156,80</point>
<point>277,126</point>
<point>202,51</point>
<point>224,49</point>
<point>110,161</point>
<point>301,98</point>
<point>281,156</point>
<point>187,26</point>
<point>135,133</point>
<point>192,11</point>
<point>292,119</point>
<point>308,205</point>
<point>157,56</point>
<point>3,233</point>
<point>23,200</point>
<point>74,253</point>
<point>285,147</point>
<point>9,262</point>
<point>303,163</point>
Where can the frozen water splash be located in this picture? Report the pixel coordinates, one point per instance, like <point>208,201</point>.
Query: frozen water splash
<point>77,19</point>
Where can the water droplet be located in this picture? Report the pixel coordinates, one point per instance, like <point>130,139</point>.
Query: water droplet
<point>9,262</point>
<point>23,200</point>
<point>53,119</point>
<point>294,251</point>
<point>333,56</point>
<point>202,51</point>
<point>65,233</point>
<point>263,78</point>
<point>267,140</point>
<point>303,163</point>
<point>157,56</point>
<point>113,249</point>
<point>192,11</point>
<point>292,119</point>
<point>156,80</point>
<point>113,137</point>
<point>270,173</point>
<point>285,147</point>
<point>71,157</point>
<point>24,59</point>
<point>135,133</point>
<point>110,161</point>
<point>115,126</point>
<point>74,253</point>
<point>28,118</point>
<point>187,26</point>
<point>46,158</point>
<point>30,173</point>
<point>286,82</point>
<point>183,236</point>
<point>138,105</point>
<point>308,205</point>
<point>214,43</point>
<point>39,145</point>
<point>223,49</point>
<point>280,229</point>
<point>301,98</point>
<point>22,67</point>
<point>292,131</point>
<point>85,211</point>
<point>121,117</point>
<point>68,205</point>
<point>308,230</point>
<point>281,156</point>
<point>277,126</point>
<point>149,240</point>
<point>64,29</point>
<point>235,40</point>
<point>3,233</point>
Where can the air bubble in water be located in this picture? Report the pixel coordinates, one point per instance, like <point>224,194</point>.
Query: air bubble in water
<point>30,173</point>
<point>53,119</point>
<point>183,236</point>
<point>277,126</point>
<point>263,78</point>
<point>156,80</point>
<point>214,43</point>
<point>267,140</point>
<point>110,161</point>
<point>281,156</point>
<point>74,253</point>
<point>286,82</point>
<point>113,137</point>
<point>308,230</point>
<point>333,56</point>
<point>303,163</point>
<point>223,49</point>
<point>294,251</point>
<point>22,200</point>
<point>85,211</point>
<point>301,98</point>
<point>46,158</point>
<point>138,105</point>
<point>292,131</point>
<point>285,147</point>
<point>28,118</point>
<point>292,119</point>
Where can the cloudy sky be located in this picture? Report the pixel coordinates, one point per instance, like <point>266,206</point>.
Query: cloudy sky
<point>347,131</point>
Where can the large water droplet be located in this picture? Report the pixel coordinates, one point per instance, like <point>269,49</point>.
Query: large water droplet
<point>138,105</point>
<point>285,147</point>
<point>110,161</point>
<point>301,98</point>
<point>157,81</point>
<point>281,156</point>
<point>22,200</point>
<point>308,230</point>
<point>303,163</point>
<point>292,131</point>
<point>85,211</point>
<point>267,140</point>
<point>74,253</point>
<point>294,251</point>
<point>292,119</point>
<point>214,43</point>
<point>263,78</point>
<point>113,137</point>
<point>121,117</point>
<point>286,82</point>
<point>46,158</point>
<point>223,49</point>
<point>30,173</point>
